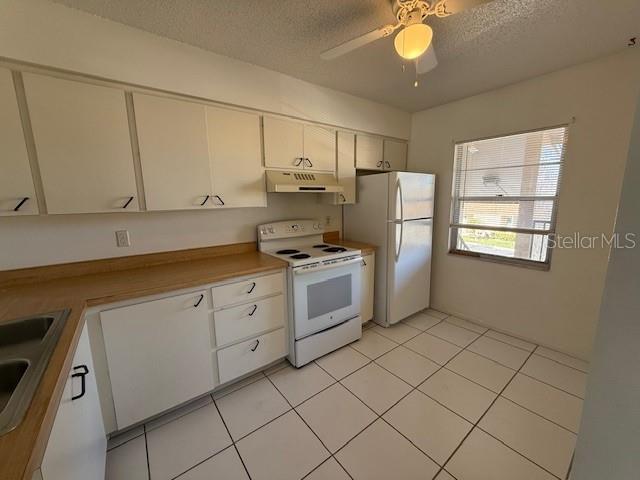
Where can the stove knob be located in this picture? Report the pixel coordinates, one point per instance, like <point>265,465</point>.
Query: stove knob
<point>271,230</point>
<point>295,228</point>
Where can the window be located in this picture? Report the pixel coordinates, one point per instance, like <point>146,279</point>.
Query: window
<point>505,196</point>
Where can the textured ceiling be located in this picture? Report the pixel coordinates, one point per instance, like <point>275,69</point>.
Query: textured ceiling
<point>493,45</point>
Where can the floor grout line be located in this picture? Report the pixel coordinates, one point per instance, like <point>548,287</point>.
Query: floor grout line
<point>476,426</point>
<point>331,455</point>
<point>381,416</point>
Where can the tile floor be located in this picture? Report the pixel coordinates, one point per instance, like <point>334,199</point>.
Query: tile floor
<point>434,397</point>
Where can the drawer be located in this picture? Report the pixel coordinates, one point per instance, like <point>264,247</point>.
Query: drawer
<point>236,360</point>
<point>247,290</point>
<point>249,319</point>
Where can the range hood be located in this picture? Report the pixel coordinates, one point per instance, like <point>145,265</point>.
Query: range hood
<point>283,181</point>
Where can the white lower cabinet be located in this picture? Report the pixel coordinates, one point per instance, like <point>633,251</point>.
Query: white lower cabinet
<point>166,350</point>
<point>77,445</point>
<point>366,292</point>
<point>247,290</point>
<point>158,354</point>
<point>238,323</point>
<point>244,357</point>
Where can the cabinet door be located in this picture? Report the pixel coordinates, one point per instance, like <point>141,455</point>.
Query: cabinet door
<point>368,269</point>
<point>368,152</point>
<point>319,149</point>
<point>77,445</point>
<point>236,158</point>
<point>395,155</point>
<point>158,354</point>
<point>16,183</point>
<point>81,133</point>
<point>283,143</point>
<point>172,135</point>
<point>346,168</point>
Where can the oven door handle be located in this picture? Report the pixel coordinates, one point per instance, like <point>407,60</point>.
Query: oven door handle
<point>300,271</point>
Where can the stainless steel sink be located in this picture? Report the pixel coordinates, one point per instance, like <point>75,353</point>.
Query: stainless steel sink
<point>26,345</point>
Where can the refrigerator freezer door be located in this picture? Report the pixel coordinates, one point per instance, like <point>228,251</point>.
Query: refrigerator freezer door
<point>410,195</point>
<point>409,268</point>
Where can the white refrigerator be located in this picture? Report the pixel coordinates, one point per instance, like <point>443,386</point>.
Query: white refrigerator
<point>394,211</point>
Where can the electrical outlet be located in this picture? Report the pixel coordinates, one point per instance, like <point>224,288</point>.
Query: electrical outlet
<point>122,238</point>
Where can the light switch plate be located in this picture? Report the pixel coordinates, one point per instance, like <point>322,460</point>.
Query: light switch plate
<point>122,238</point>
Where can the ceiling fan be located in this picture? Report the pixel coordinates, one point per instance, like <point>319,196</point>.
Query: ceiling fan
<point>413,41</point>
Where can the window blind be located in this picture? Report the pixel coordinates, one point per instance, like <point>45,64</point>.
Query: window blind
<point>505,194</point>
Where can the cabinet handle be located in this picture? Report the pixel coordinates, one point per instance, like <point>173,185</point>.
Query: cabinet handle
<point>127,202</point>
<point>298,161</point>
<point>364,264</point>
<point>387,164</point>
<point>219,199</point>
<point>199,301</point>
<point>379,164</point>
<point>206,199</point>
<point>309,161</point>
<point>84,370</point>
<point>343,198</point>
<point>22,202</point>
<point>253,349</point>
<point>253,285</point>
<point>255,307</point>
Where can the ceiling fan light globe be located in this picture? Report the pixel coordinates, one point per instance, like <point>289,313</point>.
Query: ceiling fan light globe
<point>413,40</point>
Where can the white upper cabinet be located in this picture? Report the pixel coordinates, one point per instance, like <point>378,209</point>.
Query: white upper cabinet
<point>283,143</point>
<point>174,153</point>
<point>236,158</point>
<point>369,152</point>
<point>294,145</point>
<point>346,171</point>
<point>82,140</point>
<point>17,195</point>
<point>395,155</point>
<point>319,148</point>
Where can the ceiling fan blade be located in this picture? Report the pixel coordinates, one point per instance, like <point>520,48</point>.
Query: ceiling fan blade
<point>444,8</point>
<point>357,42</point>
<point>427,61</point>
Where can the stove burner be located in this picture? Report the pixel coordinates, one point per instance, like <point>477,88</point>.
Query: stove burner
<point>300,256</point>
<point>335,249</point>
<point>287,251</point>
<point>322,245</point>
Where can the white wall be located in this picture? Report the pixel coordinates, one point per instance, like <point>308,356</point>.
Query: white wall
<point>45,33</point>
<point>608,445</point>
<point>557,308</point>
<point>45,240</point>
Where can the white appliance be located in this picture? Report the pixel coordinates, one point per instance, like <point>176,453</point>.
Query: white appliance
<point>324,282</point>
<point>395,212</point>
<point>279,181</point>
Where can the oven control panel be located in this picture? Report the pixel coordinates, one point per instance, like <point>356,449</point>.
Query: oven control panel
<point>289,229</point>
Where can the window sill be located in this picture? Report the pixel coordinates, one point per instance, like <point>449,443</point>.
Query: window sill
<point>530,264</point>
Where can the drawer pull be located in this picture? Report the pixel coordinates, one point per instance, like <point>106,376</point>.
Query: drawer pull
<point>22,202</point>
<point>253,285</point>
<point>199,301</point>
<point>126,204</point>
<point>253,349</point>
<point>206,199</point>
<point>84,370</point>
<point>255,307</point>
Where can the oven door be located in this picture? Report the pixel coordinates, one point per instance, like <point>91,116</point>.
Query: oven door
<point>325,296</point>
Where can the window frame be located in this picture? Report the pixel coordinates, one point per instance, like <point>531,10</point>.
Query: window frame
<point>520,262</point>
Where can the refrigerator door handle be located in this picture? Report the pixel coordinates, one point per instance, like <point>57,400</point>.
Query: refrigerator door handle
<point>401,200</point>
<point>399,249</point>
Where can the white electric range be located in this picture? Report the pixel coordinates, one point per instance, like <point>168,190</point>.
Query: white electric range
<point>324,287</point>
